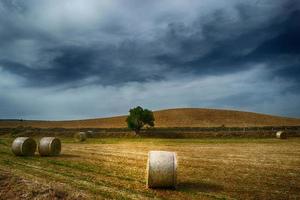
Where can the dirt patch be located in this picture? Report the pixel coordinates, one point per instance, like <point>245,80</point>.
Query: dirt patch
<point>14,187</point>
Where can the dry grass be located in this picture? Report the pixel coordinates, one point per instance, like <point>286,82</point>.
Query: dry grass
<point>189,117</point>
<point>115,169</point>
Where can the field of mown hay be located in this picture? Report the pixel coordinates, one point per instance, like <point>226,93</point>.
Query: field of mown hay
<point>115,169</point>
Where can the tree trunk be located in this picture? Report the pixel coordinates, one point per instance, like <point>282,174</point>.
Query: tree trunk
<point>137,132</point>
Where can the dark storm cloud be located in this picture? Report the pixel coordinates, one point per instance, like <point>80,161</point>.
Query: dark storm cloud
<point>280,44</point>
<point>109,65</point>
<point>286,42</point>
<point>215,44</point>
<point>125,46</point>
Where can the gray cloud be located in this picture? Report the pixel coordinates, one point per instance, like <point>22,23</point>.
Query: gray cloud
<point>71,53</point>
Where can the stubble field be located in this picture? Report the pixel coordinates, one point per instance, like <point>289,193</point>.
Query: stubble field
<point>115,169</point>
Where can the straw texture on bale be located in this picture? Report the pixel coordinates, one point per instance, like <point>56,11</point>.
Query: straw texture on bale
<point>23,146</point>
<point>80,136</point>
<point>161,169</point>
<point>49,146</point>
<point>281,135</point>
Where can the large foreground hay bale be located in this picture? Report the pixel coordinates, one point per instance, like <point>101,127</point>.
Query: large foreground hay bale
<point>49,146</point>
<point>80,136</point>
<point>23,146</point>
<point>281,135</point>
<point>161,169</point>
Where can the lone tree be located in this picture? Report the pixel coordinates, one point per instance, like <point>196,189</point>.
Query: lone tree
<point>138,117</point>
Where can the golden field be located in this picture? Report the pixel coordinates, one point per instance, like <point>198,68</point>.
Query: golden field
<point>115,169</point>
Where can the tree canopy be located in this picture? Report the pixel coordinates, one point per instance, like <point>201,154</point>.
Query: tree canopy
<point>138,118</point>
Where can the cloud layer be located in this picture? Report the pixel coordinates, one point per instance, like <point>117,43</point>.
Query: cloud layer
<point>81,59</point>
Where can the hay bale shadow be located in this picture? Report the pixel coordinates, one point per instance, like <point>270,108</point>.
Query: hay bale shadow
<point>192,186</point>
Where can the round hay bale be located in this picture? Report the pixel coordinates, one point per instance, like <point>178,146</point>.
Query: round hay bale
<point>281,135</point>
<point>161,169</point>
<point>23,146</point>
<point>80,136</point>
<point>49,146</point>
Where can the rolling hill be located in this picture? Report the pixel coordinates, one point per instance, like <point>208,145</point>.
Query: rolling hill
<point>181,117</point>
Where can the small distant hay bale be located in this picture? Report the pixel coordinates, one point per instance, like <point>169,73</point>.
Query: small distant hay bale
<point>161,169</point>
<point>23,146</point>
<point>90,133</point>
<point>281,135</point>
<point>49,146</point>
<point>80,136</point>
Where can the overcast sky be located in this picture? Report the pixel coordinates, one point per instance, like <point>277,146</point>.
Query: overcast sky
<point>73,59</point>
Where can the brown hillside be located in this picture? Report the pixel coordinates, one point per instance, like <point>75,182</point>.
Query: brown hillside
<point>183,117</point>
